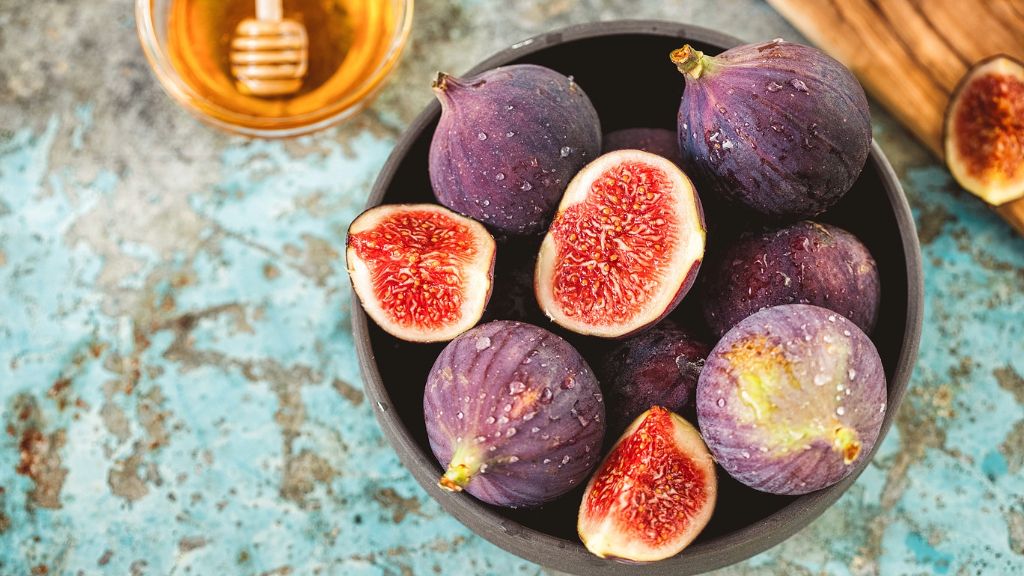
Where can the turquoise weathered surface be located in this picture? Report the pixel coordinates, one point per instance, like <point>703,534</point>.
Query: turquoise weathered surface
<point>178,385</point>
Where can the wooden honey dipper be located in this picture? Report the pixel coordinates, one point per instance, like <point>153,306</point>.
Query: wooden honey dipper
<point>269,54</point>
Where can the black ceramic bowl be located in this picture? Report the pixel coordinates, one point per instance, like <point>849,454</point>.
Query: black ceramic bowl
<point>644,95</point>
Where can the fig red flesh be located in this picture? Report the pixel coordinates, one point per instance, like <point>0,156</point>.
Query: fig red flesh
<point>514,414</point>
<point>653,494</point>
<point>624,247</point>
<point>985,130</point>
<point>422,272</point>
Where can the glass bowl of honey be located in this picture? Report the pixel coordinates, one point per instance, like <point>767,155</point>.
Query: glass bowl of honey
<point>335,63</point>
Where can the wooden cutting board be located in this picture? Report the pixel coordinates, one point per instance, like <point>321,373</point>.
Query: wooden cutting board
<point>910,54</point>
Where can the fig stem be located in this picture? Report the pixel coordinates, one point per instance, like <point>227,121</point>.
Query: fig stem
<point>440,82</point>
<point>845,441</point>
<point>460,471</point>
<point>690,61</point>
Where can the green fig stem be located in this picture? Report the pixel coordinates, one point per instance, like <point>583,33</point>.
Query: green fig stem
<point>690,61</point>
<point>460,471</point>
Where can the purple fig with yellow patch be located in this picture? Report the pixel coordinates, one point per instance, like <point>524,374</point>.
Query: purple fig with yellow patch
<point>508,142</point>
<point>514,414</point>
<point>806,263</point>
<point>791,400</point>
<point>779,127</point>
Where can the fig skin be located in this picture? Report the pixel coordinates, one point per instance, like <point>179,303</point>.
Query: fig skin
<point>514,413</point>
<point>792,399</point>
<point>659,472</point>
<point>507,144</point>
<point>658,141</point>
<point>658,367</point>
<point>805,263</point>
<point>781,128</point>
<point>984,130</point>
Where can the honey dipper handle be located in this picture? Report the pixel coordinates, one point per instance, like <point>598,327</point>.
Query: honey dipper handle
<point>269,10</point>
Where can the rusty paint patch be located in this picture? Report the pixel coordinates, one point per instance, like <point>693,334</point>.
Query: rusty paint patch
<point>1011,381</point>
<point>39,453</point>
<point>105,558</point>
<point>302,473</point>
<point>348,391</point>
<point>191,543</point>
<point>1013,448</point>
<point>124,478</point>
<point>931,222</point>
<point>400,507</point>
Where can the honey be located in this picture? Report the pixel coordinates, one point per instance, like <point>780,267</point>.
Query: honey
<point>351,44</point>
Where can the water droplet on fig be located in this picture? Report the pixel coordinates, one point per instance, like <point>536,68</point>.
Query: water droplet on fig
<point>840,411</point>
<point>881,407</point>
<point>459,415</point>
<point>481,136</point>
<point>511,432</point>
<point>721,402</point>
<point>502,420</point>
<point>777,127</point>
<point>489,420</point>
<point>486,202</point>
<point>598,397</point>
<point>509,107</point>
<point>492,448</point>
<point>507,408</point>
<point>483,343</point>
<point>545,395</point>
<point>565,151</point>
<point>534,430</point>
<point>547,461</point>
<point>513,459</point>
<point>526,186</point>
<point>583,420</point>
<point>565,459</point>
<point>499,176</point>
<point>799,85</point>
<point>773,86</point>
<point>516,387</point>
<point>745,454</point>
<point>807,337</point>
<point>727,145</point>
<point>851,373</point>
<point>832,318</point>
<point>721,109</point>
<point>509,134</point>
<point>481,439</point>
<point>820,379</point>
<point>529,415</point>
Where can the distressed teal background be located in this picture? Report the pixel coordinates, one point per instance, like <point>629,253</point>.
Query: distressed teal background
<point>178,384</point>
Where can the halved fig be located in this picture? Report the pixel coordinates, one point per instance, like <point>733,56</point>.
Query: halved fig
<point>653,494</point>
<point>624,247</point>
<point>984,130</point>
<point>421,271</point>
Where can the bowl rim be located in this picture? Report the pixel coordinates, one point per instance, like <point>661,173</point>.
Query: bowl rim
<point>571,556</point>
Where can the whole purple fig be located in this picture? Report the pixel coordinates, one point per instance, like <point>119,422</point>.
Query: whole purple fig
<point>514,414</point>
<point>508,142</point>
<point>657,367</point>
<point>791,399</point>
<point>779,127</point>
<point>805,263</point>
